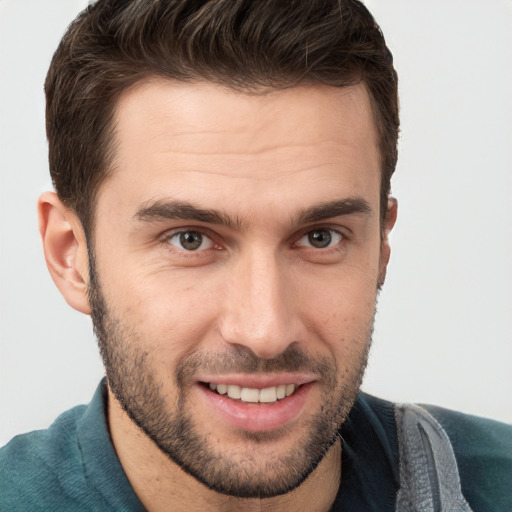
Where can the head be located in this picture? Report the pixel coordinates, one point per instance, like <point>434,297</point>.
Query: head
<point>224,169</point>
<point>245,45</point>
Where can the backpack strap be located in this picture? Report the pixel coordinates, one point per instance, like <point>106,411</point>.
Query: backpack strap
<point>429,477</point>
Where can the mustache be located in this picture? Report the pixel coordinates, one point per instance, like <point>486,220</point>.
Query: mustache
<point>293,359</point>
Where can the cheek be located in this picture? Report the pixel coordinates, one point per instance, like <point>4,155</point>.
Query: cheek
<point>340,292</point>
<point>342,308</point>
<point>169,316</point>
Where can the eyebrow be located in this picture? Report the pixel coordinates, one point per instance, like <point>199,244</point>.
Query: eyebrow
<point>348,206</point>
<point>182,210</point>
<point>162,210</point>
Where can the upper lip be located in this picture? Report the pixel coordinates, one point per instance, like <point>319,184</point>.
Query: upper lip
<point>258,381</point>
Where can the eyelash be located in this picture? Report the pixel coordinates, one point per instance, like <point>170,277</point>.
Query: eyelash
<point>166,239</point>
<point>333,233</point>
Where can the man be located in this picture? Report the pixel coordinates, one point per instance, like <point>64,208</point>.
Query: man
<point>222,212</point>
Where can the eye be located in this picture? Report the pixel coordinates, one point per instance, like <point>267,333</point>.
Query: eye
<point>190,241</point>
<point>321,238</point>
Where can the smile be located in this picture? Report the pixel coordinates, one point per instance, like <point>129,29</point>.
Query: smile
<point>256,403</point>
<point>254,395</point>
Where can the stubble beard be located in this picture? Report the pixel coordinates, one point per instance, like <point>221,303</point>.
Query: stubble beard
<point>131,379</point>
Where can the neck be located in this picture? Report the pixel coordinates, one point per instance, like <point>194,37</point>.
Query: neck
<point>158,481</point>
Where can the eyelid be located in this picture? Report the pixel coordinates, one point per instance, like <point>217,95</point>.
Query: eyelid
<point>205,240</point>
<point>340,230</point>
<point>218,241</point>
<point>336,238</point>
<point>206,232</point>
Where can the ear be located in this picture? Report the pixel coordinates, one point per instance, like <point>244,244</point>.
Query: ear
<point>385,249</point>
<point>65,250</point>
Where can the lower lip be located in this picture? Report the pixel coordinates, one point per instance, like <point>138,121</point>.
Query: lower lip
<point>260,417</point>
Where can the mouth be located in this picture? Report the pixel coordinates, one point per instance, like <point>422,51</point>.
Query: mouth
<point>266,395</point>
<point>256,405</point>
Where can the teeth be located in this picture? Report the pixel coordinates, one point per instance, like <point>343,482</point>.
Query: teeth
<point>268,395</point>
<point>234,391</point>
<point>250,395</point>
<point>290,388</point>
<point>254,395</point>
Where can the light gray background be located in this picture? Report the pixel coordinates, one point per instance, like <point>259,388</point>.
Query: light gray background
<point>444,327</point>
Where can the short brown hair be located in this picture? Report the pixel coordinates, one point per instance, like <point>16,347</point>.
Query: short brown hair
<point>249,45</point>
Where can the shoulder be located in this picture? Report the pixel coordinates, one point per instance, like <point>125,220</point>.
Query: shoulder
<point>483,450</point>
<point>72,465</point>
<point>37,468</point>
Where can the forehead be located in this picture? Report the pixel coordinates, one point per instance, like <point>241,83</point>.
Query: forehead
<point>254,122</point>
<point>200,139</point>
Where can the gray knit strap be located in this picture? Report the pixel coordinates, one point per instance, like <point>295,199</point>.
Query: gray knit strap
<point>429,477</point>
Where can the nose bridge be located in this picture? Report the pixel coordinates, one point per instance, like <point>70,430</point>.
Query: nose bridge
<point>259,313</point>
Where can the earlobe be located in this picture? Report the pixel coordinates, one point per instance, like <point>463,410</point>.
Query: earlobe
<point>65,250</point>
<point>385,248</point>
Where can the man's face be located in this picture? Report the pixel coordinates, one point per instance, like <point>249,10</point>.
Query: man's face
<point>237,256</point>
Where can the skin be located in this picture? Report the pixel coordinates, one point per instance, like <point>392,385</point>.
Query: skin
<point>256,286</point>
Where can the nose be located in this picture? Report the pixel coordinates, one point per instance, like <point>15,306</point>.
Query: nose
<point>259,313</point>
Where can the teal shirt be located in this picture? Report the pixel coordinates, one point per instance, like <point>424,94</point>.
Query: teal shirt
<point>72,466</point>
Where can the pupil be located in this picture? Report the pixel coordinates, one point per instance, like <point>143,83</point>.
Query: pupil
<point>191,240</point>
<point>320,239</point>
